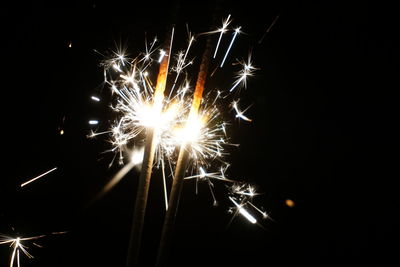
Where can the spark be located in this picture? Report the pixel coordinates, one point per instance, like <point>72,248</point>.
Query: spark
<point>164,185</point>
<point>203,175</point>
<point>117,67</point>
<point>181,62</point>
<point>248,70</point>
<point>244,194</point>
<point>236,32</point>
<point>95,98</point>
<point>290,203</point>
<point>239,113</point>
<point>37,177</point>
<point>93,122</point>
<point>244,212</point>
<point>269,28</point>
<point>222,30</point>
<point>17,246</point>
<point>149,51</point>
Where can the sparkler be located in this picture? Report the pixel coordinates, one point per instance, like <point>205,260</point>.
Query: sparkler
<point>192,126</point>
<point>148,158</point>
<point>199,136</point>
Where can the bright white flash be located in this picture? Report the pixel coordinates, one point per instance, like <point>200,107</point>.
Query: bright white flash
<point>93,122</point>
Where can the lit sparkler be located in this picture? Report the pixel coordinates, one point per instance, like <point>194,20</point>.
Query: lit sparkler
<point>169,124</point>
<point>142,107</point>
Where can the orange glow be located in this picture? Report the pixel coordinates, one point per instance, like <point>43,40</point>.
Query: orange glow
<point>290,203</point>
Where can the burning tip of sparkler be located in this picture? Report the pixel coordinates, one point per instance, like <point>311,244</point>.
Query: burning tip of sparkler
<point>191,131</point>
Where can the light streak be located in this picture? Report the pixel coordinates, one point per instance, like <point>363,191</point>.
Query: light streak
<point>181,63</point>
<point>17,245</point>
<point>37,177</point>
<point>239,113</point>
<point>222,30</point>
<point>93,122</point>
<point>247,71</point>
<point>237,30</point>
<point>95,98</point>
<point>269,28</point>
<point>244,212</point>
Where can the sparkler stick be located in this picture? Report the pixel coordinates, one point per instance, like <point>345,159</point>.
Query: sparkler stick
<point>182,161</point>
<point>147,165</point>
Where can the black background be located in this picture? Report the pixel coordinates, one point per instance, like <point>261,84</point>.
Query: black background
<point>322,135</point>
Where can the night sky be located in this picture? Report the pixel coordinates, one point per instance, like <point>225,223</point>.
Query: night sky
<point>322,136</point>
